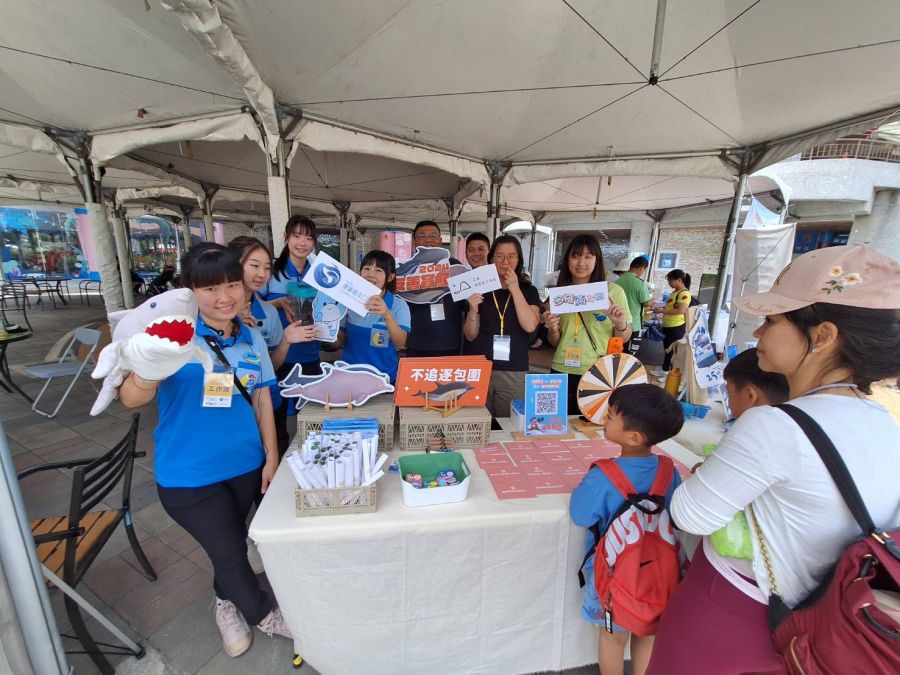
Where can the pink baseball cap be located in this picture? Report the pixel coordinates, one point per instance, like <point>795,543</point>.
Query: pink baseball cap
<point>856,276</point>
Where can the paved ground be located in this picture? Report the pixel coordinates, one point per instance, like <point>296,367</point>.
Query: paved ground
<point>174,615</point>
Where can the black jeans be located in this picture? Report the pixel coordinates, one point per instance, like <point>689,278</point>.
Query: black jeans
<point>281,412</point>
<point>215,515</point>
<point>670,335</point>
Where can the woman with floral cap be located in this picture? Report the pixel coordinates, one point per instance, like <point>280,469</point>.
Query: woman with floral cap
<point>832,327</point>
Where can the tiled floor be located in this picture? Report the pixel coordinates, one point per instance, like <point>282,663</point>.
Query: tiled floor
<point>174,615</point>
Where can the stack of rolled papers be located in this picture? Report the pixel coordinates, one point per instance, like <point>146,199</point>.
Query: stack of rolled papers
<point>337,460</point>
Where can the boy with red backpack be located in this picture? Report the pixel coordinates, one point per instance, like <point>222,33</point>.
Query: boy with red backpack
<point>633,559</point>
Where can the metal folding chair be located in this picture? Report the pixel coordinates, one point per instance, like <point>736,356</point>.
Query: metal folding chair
<point>68,364</point>
<point>67,545</point>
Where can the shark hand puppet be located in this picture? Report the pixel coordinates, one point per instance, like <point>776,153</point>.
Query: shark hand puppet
<point>153,340</point>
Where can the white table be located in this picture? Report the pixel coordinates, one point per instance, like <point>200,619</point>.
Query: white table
<point>481,586</point>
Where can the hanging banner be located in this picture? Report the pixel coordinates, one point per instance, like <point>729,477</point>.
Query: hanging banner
<point>707,370</point>
<point>579,298</point>
<point>482,279</point>
<point>425,278</point>
<point>340,283</point>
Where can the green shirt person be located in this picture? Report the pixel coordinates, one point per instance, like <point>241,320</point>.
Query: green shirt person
<point>637,292</point>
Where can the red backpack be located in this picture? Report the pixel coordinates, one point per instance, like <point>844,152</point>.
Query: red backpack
<point>638,560</point>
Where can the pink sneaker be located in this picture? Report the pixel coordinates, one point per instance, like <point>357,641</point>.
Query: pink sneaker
<point>236,636</point>
<point>274,624</point>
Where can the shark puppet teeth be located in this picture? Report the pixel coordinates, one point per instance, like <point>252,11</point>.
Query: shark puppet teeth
<point>176,329</point>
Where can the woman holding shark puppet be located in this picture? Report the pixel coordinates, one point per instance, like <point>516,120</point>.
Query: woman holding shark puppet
<point>215,441</point>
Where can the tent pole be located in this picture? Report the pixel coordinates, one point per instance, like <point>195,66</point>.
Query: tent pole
<point>498,171</point>
<point>279,199</point>
<point>343,209</point>
<point>207,208</point>
<point>102,235</point>
<point>728,245</point>
<point>536,216</point>
<point>186,227</point>
<point>122,249</point>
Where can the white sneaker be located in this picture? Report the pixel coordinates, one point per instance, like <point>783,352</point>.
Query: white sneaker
<point>274,624</point>
<point>236,636</point>
<point>254,558</point>
<point>658,373</point>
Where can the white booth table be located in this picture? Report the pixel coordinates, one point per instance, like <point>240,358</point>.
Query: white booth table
<point>480,586</point>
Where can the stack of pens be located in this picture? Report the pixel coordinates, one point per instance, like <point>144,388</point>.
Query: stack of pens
<point>344,454</point>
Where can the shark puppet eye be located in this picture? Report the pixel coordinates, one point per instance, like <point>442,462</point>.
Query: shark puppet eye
<point>152,305</point>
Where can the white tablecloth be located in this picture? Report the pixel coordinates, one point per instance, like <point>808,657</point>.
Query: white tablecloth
<point>481,586</point>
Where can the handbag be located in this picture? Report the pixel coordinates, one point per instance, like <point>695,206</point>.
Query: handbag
<point>847,625</point>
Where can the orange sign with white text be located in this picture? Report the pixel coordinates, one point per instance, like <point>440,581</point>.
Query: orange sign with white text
<point>460,380</point>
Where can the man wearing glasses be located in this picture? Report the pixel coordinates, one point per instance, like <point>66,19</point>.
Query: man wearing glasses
<point>435,329</point>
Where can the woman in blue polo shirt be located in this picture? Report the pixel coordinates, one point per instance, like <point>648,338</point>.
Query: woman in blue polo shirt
<point>376,337</point>
<point>215,447</point>
<point>256,261</point>
<point>299,245</point>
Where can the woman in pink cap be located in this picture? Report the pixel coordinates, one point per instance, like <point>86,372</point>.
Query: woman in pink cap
<point>832,327</point>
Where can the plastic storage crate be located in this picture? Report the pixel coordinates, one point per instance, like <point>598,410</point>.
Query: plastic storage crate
<point>335,501</point>
<point>312,415</point>
<point>466,428</point>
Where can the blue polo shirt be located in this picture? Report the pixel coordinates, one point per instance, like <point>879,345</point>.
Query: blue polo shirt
<point>270,327</point>
<point>269,322</point>
<point>197,446</point>
<point>302,352</point>
<point>368,340</point>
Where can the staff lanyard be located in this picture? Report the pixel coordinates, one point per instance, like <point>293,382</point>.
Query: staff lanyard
<point>578,321</point>
<point>502,314</point>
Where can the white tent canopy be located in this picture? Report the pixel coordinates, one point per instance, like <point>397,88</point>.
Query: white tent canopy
<point>423,108</point>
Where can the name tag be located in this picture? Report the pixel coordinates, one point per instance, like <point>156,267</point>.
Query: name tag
<point>379,338</point>
<point>437,311</point>
<point>217,388</point>
<point>502,347</point>
<point>572,357</point>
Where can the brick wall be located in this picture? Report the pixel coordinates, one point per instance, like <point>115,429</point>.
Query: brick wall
<point>699,247</point>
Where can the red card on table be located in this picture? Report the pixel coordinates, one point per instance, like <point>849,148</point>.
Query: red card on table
<point>559,456</point>
<point>519,445</point>
<point>588,456</point>
<point>501,472</point>
<point>522,457</point>
<point>538,469</point>
<point>572,479</point>
<point>513,488</point>
<point>548,444</point>
<point>548,485</point>
<point>494,460</point>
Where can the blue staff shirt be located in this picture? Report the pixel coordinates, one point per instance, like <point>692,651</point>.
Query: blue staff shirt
<point>197,446</point>
<point>270,327</point>
<point>368,340</point>
<point>302,352</point>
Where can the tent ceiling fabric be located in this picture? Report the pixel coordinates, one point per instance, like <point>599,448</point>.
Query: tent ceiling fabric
<point>403,103</point>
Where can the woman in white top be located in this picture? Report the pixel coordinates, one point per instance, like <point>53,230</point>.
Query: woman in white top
<point>832,327</point>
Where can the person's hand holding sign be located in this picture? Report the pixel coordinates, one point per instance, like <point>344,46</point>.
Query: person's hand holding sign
<point>618,315</point>
<point>375,305</point>
<point>551,321</point>
<point>474,301</point>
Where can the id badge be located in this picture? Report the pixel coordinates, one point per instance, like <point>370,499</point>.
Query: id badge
<point>572,357</point>
<point>501,347</point>
<point>379,337</point>
<point>437,311</point>
<point>217,387</point>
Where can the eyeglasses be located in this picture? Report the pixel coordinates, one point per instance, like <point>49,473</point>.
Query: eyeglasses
<point>509,257</point>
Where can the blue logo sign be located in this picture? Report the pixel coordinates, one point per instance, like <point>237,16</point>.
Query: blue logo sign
<point>328,276</point>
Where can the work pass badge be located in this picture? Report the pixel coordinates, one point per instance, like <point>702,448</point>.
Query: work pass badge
<point>217,387</point>
<point>379,337</point>
<point>501,347</point>
<point>437,311</point>
<point>572,357</point>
